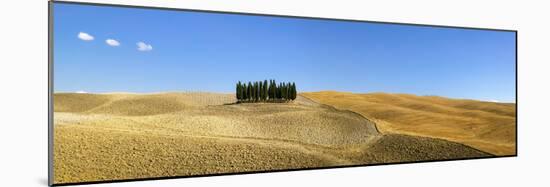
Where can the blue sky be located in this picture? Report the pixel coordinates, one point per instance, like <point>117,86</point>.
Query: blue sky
<point>195,51</point>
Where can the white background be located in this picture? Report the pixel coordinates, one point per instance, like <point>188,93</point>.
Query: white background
<point>23,95</point>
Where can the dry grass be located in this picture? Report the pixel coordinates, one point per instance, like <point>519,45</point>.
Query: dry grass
<point>486,126</point>
<point>123,136</point>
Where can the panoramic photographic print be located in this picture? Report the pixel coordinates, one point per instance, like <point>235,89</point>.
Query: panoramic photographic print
<point>143,93</point>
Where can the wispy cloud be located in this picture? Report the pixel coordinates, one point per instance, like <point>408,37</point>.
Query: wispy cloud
<point>112,42</point>
<point>85,36</point>
<point>81,92</point>
<point>144,47</point>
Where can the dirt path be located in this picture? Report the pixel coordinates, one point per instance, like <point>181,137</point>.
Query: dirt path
<point>309,149</point>
<point>301,100</point>
<point>310,102</point>
<point>315,150</point>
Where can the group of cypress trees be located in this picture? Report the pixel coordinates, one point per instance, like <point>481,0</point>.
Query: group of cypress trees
<point>265,91</point>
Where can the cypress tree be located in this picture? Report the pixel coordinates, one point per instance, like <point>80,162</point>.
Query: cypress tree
<point>272,90</point>
<point>249,90</point>
<point>286,91</point>
<point>241,91</point>
<point>262,88</point>
<point>294,92</point>
<point>277,87</point>
<point>245,92</point>
<point>238,91</point>
<point>269,90</point>
<point>275,90</point>
<point>257,91</point>
<point>255,87</point>
<point>265,90</point>
<point>290,92</point>
<point>283,90</point>
<point>253,91</point>
<point>280,91</point>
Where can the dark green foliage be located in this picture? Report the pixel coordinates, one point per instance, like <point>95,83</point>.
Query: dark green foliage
<point>289,91</point>
<point>260,89</point>
<point>252,92</point>
<point>253,89</point>
<point>279,96</point>
<point>256,91</point>
<point>284,92</point>
<point>294,93</point>
<point>249,88</point>
<point>238,91</point>
<point>245,92</point>
<point>275,90</point>
<point>281,91</point>
<point>264,91</point>
<point>270,90</point>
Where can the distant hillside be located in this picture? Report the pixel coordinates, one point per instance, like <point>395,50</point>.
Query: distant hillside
<point>487,126</point>
<point>136,104</point>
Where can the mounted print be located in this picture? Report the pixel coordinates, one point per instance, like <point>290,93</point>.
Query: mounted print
<point>154,93</point>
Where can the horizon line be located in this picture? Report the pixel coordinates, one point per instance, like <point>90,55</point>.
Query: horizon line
<point>348,92</point>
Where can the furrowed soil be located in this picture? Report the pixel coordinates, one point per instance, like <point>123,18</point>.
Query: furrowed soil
<point>487,126</point>
<point>127,136</point>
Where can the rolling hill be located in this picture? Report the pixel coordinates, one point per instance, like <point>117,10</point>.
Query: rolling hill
<point>487,126</point>
<point>123,136</point>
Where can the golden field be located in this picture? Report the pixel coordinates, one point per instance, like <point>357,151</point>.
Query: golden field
<point>126,136</point>
<point>487,126</point>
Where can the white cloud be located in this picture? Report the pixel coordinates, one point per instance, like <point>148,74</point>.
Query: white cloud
<point>81,92</point>
<point>112,42</point>
<point>144,47</point>
<point>85,36</point>
<point>494,101</point>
